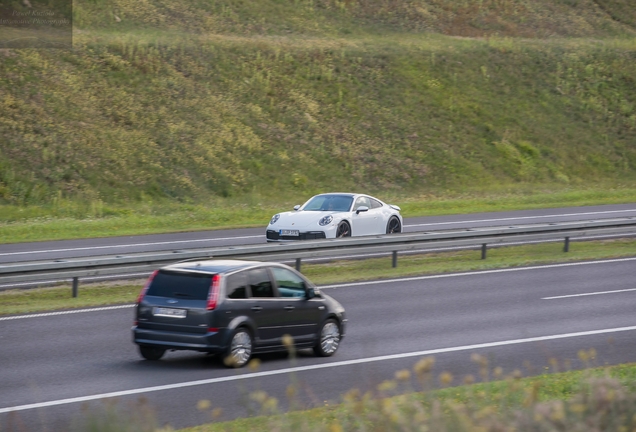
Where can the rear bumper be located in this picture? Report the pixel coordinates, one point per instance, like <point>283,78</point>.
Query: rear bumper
<point>212,342</point>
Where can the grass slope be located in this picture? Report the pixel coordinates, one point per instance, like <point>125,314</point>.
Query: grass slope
<point>164,101</point>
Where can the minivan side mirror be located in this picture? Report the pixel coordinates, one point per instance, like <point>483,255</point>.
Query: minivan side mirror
<point>296,207</point>
<point>362,209</point>
<point>311,292</point>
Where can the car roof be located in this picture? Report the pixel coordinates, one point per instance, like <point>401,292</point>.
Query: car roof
<point>212,266</point>
<point>351,194</point>
<point>338,193</point>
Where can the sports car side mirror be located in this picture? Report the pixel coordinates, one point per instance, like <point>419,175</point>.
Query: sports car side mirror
<point>362,209</point>
<point>296,207</point>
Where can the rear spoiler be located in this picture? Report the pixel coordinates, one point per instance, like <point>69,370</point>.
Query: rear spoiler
<point>394,207</point>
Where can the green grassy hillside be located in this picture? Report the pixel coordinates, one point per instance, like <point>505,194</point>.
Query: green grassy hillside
<point>187,101</point>
<point>474,18</point>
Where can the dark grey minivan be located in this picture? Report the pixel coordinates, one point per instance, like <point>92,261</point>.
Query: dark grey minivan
<point>236,309</point>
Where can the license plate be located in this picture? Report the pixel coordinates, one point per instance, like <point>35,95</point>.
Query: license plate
<point>289,232</point>
<point>169,312</point>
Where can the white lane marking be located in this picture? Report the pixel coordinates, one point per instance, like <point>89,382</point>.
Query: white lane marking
<point>407,279</point>
<point>130,245</point>
<point>309,368</point>
<point>589,294</point>
<point>524,217</point>
<point>477,273</point>
<point>75,311</point>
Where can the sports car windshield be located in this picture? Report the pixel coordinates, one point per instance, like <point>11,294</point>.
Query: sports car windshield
<point>329,203</point>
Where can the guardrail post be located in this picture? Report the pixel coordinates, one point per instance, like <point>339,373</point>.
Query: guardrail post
<point>394,259</point>
<point>297,264</point>
<point>75,286</point>
<point>483,251</point>
<point>566,246</point>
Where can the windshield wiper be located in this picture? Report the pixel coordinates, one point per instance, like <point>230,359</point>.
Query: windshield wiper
<point>178,294</point>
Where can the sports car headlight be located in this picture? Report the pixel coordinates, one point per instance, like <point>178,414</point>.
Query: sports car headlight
<point>274,219</point>
<point>325,220</point>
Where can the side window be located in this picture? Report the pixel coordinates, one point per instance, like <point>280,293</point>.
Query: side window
<point>260,284</point>
<point>236,286</point>
<point>289,283</point>
<point>375,203</point>
<point>362,201</point>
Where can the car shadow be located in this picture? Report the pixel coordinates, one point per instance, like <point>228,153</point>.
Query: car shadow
<point>188,360</point>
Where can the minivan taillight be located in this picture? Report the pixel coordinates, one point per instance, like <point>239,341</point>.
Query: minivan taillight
<point>213,295</point>
<point>145,288</point>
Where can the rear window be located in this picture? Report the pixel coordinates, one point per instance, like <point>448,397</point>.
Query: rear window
<point>191,286</point>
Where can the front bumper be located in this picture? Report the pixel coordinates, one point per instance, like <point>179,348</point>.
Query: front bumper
<point>273,235</point>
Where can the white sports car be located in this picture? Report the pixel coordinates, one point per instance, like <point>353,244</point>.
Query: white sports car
<point>334,215</point>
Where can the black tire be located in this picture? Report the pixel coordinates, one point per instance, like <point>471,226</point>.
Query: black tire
<point>328,339</point>
<point>239,351</point>
<point>343,230</point>
<point>394,226</point>
<point>151,353</point>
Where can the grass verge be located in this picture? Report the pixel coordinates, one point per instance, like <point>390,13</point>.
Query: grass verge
<point>57,298</point>
<point>72,220</point>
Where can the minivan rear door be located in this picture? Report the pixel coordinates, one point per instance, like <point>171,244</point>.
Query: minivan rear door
<point>176,301</point>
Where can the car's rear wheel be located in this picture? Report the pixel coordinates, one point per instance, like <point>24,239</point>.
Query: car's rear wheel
<point>240,350</point>
<point>343,230</point>
<point>151,353</point>
<point>394,226</point>
<point>329,339</point>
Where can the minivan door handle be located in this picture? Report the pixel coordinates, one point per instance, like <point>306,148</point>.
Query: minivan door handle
<point>289,308</point>
<point>257,308</point>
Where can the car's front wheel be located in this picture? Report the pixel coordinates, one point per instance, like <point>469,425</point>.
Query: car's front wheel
<point>394,226</point>
<point>151,353</point>
<point>329,339</point>
<point>240,350</point>
<point>344,230</point>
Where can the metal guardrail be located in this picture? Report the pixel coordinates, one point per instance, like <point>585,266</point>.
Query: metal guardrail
<point>38,271</point>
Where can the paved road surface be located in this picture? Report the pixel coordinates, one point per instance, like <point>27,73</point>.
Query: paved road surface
<point>518,318</point>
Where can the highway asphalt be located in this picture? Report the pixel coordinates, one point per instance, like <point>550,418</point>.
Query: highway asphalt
<point>57,368</point>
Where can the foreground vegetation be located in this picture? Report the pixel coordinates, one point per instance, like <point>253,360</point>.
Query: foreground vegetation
<point>423,399</point>
<point>600,399</point>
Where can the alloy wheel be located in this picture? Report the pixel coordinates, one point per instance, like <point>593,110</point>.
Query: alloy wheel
<point>343,230</point>
<point>329,338</point>
<point>241,348</point>
<point>394,226</point>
